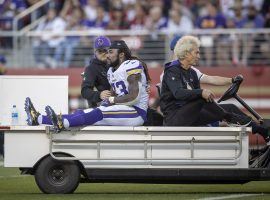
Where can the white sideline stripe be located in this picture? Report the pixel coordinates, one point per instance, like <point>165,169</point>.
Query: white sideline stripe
<point>231,196</point>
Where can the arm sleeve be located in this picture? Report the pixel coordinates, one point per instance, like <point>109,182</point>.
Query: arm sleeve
<point>198,72</point>
<point>178,89</point>
<point>134,67</point>
<point>88,84</point>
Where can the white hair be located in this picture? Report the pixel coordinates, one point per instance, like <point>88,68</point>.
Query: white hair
<point>185,45</point>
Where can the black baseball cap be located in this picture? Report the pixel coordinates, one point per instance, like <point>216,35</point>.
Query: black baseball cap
<point>121,45</point>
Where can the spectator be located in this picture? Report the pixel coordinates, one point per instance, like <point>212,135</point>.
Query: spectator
<point>266,45</point>
<point>66,47</point>
<point>50,39</point>
<point>226,7</point>
<point>230,53</point>
<point>251,21</point>
<point>68,8</point>
<point>130,9</point>
<point>164,5</point>
<point>265,8</point>
<point>236,45</point>
<point>255,20</point>
<point>155,20</point>
<point>2,65</point>
<point>267,19</point>
<point>31,2</point>
<point>101,21</point>
<point>12,7</point>
<point>212,20</point>
<point>257,4</point>
<point>117,4</point>
<point>138,23</point>
<point>118,19</point>
<point>181,8</point>
<point>91,9</point>
<point>179,23</point>
<point>197,8</point>
<point>157,3</point>
<point>8,10</point>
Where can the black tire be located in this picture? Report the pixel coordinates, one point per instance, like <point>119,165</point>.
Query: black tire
<point>57,177</point>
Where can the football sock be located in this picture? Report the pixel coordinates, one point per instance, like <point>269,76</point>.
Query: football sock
<point>43,119</point>
<point>83,119</point>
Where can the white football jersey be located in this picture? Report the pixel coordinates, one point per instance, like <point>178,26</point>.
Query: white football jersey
<point>119,83</point>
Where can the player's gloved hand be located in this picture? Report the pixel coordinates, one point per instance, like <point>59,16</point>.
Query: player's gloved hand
<point>237,79</point>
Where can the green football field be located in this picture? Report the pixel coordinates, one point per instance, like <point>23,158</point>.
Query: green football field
<point>15,186</point>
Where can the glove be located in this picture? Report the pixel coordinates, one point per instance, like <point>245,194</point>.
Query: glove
<point>105,103</point>
<point>237,79</point>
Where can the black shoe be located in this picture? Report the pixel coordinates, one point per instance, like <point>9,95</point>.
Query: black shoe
<point>239,120</point>
<point>32,114</point>
<point>267,138</point>
<point>57,121</point>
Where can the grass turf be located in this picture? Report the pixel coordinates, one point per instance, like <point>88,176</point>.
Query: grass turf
<point>14,186</point>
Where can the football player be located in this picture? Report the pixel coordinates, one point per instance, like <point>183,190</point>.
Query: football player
<point>128,77</point>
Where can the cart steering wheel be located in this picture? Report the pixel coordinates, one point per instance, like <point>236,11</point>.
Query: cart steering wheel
<point>231,92</point>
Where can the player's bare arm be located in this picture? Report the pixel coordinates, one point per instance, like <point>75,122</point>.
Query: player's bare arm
<point>215,80</point>
<point>113,92</point>
<point>133,89</point>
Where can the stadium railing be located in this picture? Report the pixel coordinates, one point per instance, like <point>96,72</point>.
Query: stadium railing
<point>219,47</point>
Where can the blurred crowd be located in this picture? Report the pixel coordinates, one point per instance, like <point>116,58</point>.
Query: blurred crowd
<point>172,15</point>
<point>10,8</point>
<point>164,14</point>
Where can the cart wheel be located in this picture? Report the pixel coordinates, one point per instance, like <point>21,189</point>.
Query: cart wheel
<point>57,177</point>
